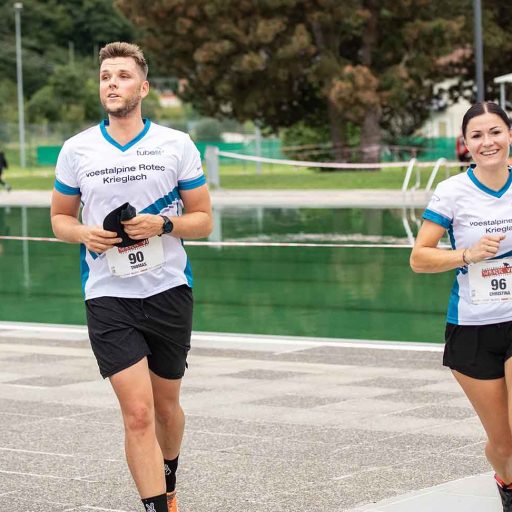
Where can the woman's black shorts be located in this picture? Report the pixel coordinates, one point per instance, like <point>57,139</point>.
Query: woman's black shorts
<point>123,331</point>
<point>478,351</point>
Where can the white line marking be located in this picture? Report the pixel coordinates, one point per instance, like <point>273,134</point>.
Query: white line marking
<point>89,507</point>
<point>63,455</point>
<point>36,327</point>
<point>316,342</point>
<point>240,338</point>
<point>52,477</point>
<point>244,244</point>
<point>26,386</point>
<point>6,493</point>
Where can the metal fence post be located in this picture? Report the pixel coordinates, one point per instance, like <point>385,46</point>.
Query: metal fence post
<point>211,157</point>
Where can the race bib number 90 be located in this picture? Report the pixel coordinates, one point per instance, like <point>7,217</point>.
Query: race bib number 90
<point>130,261</point>
<point>490,281</point>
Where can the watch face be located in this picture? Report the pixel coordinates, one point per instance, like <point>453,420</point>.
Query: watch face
<point>167,225</point>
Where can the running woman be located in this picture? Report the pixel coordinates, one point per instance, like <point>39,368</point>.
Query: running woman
<point>475,208</point>
<point>138,298</point>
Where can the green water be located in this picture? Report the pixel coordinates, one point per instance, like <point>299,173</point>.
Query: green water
<point>328,292</point>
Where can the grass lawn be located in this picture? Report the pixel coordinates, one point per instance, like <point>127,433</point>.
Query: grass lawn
<point>34,178</point>
<point>286,177</point>
<point>245,177</point>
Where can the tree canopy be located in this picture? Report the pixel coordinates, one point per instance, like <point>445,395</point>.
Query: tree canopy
<point>48,28</point>
<point>279,62</point>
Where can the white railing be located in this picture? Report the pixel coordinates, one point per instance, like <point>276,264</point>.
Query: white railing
<point>408,174</point>
<point>433,174</point>
<point>413,166</point>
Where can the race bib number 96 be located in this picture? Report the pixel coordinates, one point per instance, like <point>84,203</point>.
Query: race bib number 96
<point>130,261</point>
<point>490,281</point>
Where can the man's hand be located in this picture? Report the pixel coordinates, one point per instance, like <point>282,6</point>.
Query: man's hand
<point>96,239</point>
<point>143,226</point>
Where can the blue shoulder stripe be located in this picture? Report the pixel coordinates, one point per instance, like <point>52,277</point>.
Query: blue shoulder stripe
<point>192,183</point>
<point>437,218</point>
<point>66,189</point>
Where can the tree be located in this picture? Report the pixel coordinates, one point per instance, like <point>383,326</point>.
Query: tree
<point>208,130</point>
<point>8,109</point>
<point>71,95</point>
<point>49,28</point>
<point>279,62</point>
<point>496,20</point>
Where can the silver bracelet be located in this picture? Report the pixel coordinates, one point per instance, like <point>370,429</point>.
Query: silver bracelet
<point>464,259</point>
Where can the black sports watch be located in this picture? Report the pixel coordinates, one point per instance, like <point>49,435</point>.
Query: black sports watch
<point>167,226</point>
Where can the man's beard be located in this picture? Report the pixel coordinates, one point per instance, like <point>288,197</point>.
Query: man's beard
<point>123,110</point>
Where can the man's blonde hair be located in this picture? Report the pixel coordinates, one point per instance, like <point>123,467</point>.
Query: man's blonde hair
<point>120,49</point>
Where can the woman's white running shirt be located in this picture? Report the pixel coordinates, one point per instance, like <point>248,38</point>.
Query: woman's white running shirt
<point>469,210</point>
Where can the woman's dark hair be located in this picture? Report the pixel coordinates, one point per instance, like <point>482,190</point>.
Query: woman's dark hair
<point>483,107</point>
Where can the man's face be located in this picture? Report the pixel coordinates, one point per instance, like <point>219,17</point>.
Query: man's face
<point>122,86</point>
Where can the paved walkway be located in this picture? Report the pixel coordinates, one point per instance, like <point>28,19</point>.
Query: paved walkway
<point>470,494</point>
<point>270,198</point>
<point>274,424</point>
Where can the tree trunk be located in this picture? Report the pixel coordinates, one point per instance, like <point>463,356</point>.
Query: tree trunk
<point>370,136</point>
<point>335,123</point>
<point>370,131</point>
<point>337,132</point>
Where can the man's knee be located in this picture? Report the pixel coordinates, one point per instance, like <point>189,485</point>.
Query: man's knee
<point>138,418</point>
<point>166,413</point>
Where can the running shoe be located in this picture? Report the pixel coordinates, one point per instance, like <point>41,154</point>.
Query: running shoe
<point>506,498</point>
<point>172,502</point>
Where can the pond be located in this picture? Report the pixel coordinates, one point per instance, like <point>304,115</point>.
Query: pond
<point>361,292</point>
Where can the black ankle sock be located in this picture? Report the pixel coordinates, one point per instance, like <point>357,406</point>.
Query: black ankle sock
<point>156,503</point>
<point>170,467</point>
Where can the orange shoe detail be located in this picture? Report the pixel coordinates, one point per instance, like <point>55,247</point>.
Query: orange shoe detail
<point>172,502</point>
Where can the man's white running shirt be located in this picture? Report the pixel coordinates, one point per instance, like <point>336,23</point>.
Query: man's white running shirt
<point>148,172</point>
<point>469,210</point>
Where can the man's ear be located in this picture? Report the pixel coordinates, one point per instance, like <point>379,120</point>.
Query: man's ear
<point>144,89</point>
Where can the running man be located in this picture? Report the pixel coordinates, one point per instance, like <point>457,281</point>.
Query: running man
<point>475,208</point>
<point>138,297</point>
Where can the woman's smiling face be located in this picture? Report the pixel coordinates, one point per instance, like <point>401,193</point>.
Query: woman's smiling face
<point>488,139</point>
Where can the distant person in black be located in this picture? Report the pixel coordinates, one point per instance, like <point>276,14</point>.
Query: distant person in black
<point>463,154</point>
<point>3,165</point>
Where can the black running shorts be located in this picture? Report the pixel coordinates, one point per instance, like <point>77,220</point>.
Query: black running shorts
<point>478,351</point>
<point>123,331</point>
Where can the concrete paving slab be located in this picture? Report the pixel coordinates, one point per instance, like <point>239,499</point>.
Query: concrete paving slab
<point>306,429</point>
<point>471,494</point>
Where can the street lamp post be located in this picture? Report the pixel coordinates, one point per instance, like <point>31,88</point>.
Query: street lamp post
<point>479,53</point>
<point>18,6</point>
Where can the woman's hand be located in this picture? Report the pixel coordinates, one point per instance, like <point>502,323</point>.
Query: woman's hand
<point>486,247</point>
